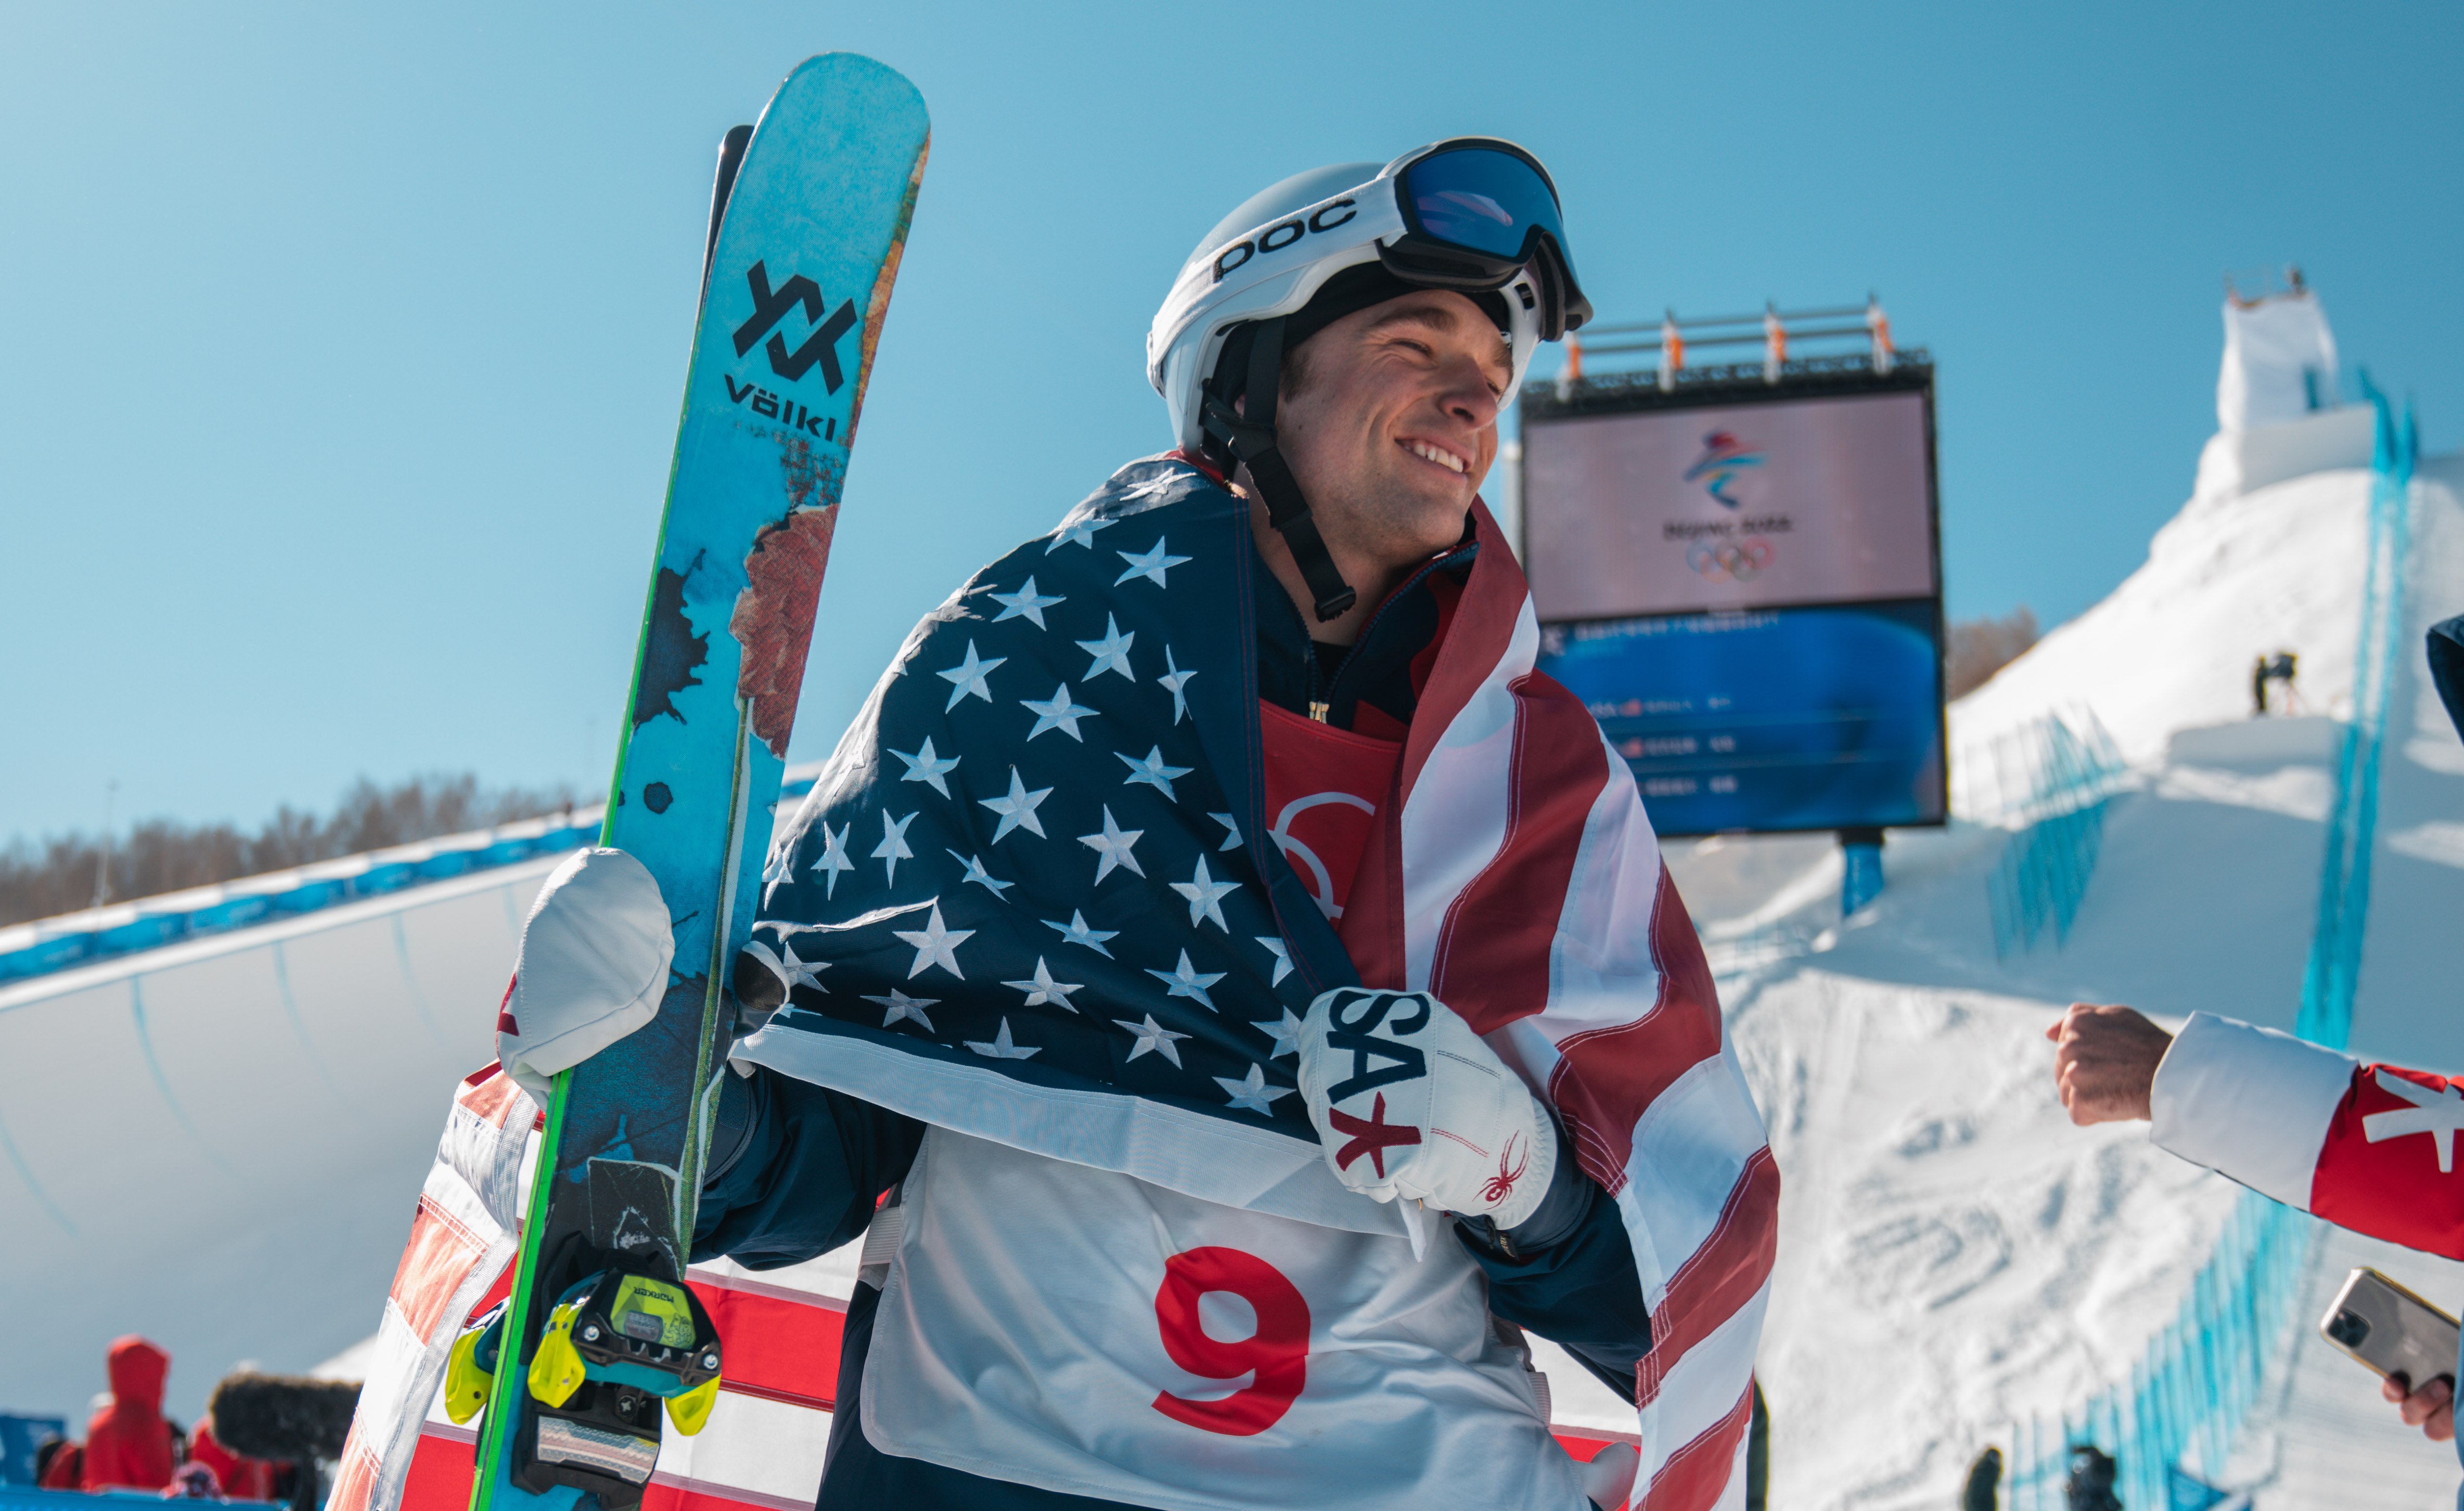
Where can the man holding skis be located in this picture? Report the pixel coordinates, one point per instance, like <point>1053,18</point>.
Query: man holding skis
<point>1257,992</point>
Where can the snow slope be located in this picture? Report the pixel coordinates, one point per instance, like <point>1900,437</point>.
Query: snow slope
<point>1953,1254</point>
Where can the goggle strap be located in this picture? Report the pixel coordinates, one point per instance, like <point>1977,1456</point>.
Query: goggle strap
<point>1251,438</point>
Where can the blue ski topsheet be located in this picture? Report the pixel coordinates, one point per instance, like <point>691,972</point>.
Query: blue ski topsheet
<point>799,278</point>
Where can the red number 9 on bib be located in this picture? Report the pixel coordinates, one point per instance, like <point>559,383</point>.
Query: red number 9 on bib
<point>1278,1351</point>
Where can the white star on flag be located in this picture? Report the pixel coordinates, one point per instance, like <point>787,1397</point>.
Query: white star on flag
<point>1111,654</point>
<point>892,847</point>
<point>1113,845</point>
<point>982,878</point>
<point>1146,488</point>
<point>834,855</point>
<point>968,677</point>
<point>2438,1113</point>
<point>1205,896</point>
<point>935,945</point>
<point>1057,712</point>
<point>1283,954</point>
<point>1252,1094</point>
<point>797,973</point>
<point>1076,931</point>
<point>1189,983</point>
<point>1174,679</point>
<point>1151,564</point>
<point>1024,603</point>
<point>901,1005</point>
<point>1231,831</point>
<point>1080,534</point>
<point>1040,989</point>
<point>1152,1034</point>
<point>800,972</point>
<point>1286,1033</point>
<point>1152,771</point>
<point>781,870</point>
<point>926,767</point>
<point>1002,1049</point>
<point>1018,809</point>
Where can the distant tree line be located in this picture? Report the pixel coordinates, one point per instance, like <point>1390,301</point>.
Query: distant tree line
<point>39,879</point>
<point>1980,647</point>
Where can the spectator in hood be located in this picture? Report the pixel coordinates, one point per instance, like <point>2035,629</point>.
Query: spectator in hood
<point>128,1443</point>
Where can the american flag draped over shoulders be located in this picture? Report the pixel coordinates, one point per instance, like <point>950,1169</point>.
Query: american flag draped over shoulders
<point>1035,898</point>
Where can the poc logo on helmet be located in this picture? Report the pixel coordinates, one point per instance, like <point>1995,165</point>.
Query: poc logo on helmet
<point>1276,237</point>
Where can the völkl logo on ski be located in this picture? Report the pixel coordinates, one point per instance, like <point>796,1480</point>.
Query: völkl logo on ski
<point>771,406</point>
<point>770,306</point>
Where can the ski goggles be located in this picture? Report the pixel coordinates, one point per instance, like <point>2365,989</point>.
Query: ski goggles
<point>1476,211</point>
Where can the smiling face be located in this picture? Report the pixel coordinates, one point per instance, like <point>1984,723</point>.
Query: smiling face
<point>1389,428</point>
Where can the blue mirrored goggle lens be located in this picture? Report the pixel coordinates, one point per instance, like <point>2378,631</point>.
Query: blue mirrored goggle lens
<point>1480,200</point>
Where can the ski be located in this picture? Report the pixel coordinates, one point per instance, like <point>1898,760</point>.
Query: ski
<point>601,1339</point>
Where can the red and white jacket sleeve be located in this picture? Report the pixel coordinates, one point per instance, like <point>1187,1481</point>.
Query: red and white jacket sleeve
<point>2369,1148</point>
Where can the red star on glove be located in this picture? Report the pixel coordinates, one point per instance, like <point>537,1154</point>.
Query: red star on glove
<point>1372,1136</point>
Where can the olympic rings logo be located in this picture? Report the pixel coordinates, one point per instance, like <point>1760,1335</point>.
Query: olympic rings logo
<point>1722,563</point>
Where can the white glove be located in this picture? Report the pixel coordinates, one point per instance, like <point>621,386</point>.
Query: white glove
<point>1409,1103</point>
<point>592,968</point>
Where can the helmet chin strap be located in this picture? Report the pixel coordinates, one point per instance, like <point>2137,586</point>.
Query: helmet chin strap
<point>1251,438</point>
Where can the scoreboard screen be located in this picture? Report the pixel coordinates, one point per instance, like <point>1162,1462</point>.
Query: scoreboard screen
<point>1743,584</point>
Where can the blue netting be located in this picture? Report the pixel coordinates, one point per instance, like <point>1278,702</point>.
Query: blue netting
<point>2188,1392</point>
<point>2069,776</point>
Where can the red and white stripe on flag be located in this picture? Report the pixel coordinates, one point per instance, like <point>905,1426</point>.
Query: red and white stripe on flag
<point>1519,880</point>
<point>461,1243</point>
<point>761,1449</point>
<point>763,1444</point>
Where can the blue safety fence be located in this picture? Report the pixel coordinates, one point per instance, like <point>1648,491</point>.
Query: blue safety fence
<point>2066,777</point>
<point>2188,1391</point>
<point>105,934</point>
<point>2334,970</point>
<point>2171,1426</point>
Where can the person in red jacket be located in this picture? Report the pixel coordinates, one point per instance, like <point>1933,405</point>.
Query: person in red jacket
<point>240,1476</point>
<point>2369,1147</point>
<point>62,1467</point>
<point>128,1443</point>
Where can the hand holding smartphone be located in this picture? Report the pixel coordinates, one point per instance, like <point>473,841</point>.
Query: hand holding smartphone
<point>2390,1330</point>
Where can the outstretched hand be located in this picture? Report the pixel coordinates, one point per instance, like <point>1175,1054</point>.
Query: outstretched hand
<point>2105,1066</point>
<point>2431,1408</point>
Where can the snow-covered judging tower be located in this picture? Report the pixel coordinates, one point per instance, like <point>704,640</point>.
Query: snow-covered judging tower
<point>2276,409</point>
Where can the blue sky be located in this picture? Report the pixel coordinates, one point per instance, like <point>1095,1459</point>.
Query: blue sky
<point>343,343</point>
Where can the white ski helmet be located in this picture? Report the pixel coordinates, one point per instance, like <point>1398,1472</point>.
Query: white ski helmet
<point>1474,214</point>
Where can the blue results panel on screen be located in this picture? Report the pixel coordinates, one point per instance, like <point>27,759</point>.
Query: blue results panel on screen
<point>1741,580</point>
<point>1796,718</point>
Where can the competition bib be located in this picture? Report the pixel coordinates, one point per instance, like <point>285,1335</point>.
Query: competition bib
<point>1053,1325</point>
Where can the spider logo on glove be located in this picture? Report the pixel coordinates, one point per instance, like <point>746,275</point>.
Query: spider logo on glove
<point>1501,1185</point>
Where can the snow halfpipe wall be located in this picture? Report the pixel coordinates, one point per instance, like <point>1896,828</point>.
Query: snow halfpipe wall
<point>219,1144</point>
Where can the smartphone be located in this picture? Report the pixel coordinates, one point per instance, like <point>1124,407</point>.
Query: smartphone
<point>2390,1330</point>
